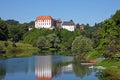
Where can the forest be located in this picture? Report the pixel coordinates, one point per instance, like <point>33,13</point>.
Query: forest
<point>100,40</point>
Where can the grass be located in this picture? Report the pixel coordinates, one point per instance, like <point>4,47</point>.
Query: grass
<point>92,55</point>
<point>21,50</point>
<point>113,65</point>
<point>112,71</point>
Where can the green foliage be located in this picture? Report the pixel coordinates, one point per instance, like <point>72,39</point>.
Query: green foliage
<point>93,55</point>
<point>31,23</point>
<point>87,32</point>
<point>113,70</point>
<point>110,34</point>
<point>32,36</point>
<point>21,50</point>
<point>6,44</point>
<point>81,45</point>
<point>65,53</point>
<point>106,37</point>
<point>3,30</point>
<point>16,32</point>
<point>67,38</point>
<point>53,41</point>
<point>108,75</point>
<point>14,50</point>
<point>41,43</point>
<point>49,41</point>
<point>12,22</point>
<point>54,37</point>
<point>116,17</point>
<point>1,47</point>
<point>2,50</point>
<point>95,35</point>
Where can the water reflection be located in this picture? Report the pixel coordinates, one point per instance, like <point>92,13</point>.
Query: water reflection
<point>18,68</point>
<point>45,68</point>
<point>80,70</point>
<point>2,70</point>
<point>48,67</point>
<point>67,69</point>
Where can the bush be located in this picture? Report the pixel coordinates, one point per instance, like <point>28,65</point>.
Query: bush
<point>1,48</point>
<point>81,45</point>
<point>15,50</point>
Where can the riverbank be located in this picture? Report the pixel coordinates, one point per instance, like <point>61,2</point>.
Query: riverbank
<point>16,50</point>
<point>112,71</point>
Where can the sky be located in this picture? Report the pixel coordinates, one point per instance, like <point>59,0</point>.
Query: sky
<point>80,11</point>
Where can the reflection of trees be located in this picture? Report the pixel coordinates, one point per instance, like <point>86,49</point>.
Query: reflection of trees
<point>56,69</point>
<point>80,71</point>
<point>2,71</point>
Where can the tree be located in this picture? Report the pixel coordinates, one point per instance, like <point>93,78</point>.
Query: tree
<point>31,23</point>
<point>110,34</point>
<point>16,32</point>
<point>3,30</point>
<point>53,41</point>
<point>116,17</point>
<point>32,36</point>
<point>1,47</point>
<point>12,22</point>
<point>87,32</point>
<point>67,38</point>
<point>95,35</point>
<point>77,26</point>
<point>41,43</point>
<point>81,45</point>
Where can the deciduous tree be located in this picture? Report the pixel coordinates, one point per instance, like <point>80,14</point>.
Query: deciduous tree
<point>3,30</point>
<point>81,45</point>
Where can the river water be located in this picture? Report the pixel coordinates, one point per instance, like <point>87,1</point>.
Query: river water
<point>45,68</point>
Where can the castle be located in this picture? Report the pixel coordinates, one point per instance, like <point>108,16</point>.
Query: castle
<point>50,23</point>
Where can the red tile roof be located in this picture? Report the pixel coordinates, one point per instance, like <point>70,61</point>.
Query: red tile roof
<point>44,78</point>
<point>44,18</point>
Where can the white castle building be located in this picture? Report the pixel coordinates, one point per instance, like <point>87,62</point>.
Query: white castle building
<point>44,22</point>
<point>69,25</point>
<point>49,23</point>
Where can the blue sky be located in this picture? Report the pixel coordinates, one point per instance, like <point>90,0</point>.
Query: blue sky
<point>81,11</point>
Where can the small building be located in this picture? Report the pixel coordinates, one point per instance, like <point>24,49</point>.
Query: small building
<point>82,26</point>
<point>44,22</point>
<point>69,25</point>
<point>30,28</point>
<point>57,23</point>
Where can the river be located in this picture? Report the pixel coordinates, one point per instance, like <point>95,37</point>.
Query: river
<point>45,68</point>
